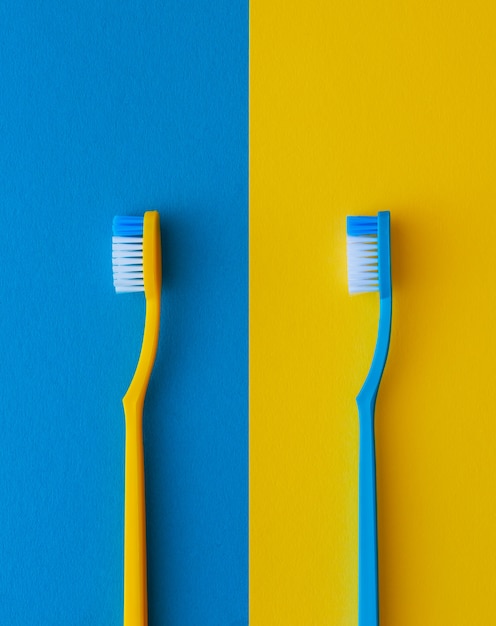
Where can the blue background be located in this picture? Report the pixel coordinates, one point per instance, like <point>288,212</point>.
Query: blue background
<point>116,108</point>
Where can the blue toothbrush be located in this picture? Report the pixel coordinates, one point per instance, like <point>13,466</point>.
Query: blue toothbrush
<point>369,269</point>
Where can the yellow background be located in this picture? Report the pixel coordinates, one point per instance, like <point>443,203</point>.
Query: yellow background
<point>357,107</point>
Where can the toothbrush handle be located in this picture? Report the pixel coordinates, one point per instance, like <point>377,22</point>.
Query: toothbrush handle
<point>368,589</point>
<point>135,595</point>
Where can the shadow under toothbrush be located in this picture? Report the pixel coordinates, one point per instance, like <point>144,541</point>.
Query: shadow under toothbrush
<point>195,425</point>
<point>418,267</point>
<point>159,476</point>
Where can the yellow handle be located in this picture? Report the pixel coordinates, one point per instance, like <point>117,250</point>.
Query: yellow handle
<point>135,594</point>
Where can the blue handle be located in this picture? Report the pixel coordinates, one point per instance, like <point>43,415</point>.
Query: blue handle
<point>368,591</point>
<point>368,575</point>
<point>368,587</point>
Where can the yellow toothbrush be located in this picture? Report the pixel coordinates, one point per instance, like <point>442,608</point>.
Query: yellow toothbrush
<point>137,266</point>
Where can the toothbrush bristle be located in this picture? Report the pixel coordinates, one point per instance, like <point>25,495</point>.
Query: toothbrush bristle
<point>127,254</point>
<point>128,226</point>
<point>362,249</point>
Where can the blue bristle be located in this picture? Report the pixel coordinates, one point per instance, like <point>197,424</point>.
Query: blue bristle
<point>357,226</point>
<point>127,226</point>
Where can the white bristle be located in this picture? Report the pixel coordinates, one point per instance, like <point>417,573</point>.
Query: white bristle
<point>127,240</point>
<point>363,266</point>
<point>127,264</point>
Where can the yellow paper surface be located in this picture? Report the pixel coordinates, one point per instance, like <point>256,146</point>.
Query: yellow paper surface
<point>357,107</point>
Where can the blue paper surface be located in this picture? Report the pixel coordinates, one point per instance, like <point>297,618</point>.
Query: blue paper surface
<point>117,108</point>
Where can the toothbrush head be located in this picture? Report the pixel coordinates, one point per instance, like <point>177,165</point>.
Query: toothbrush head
<point>136,254</point>
<point>369,254</point>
